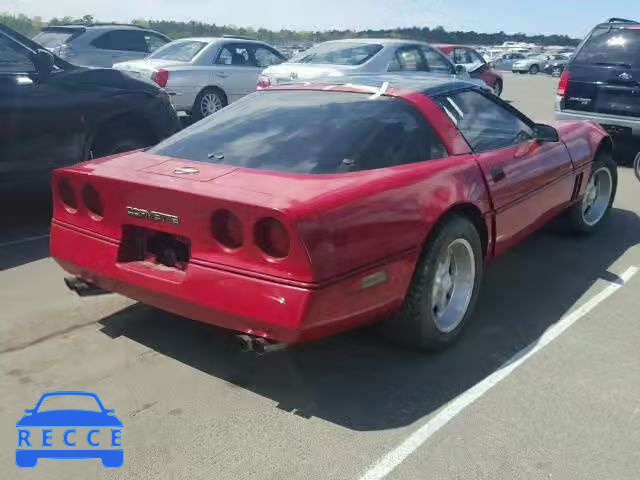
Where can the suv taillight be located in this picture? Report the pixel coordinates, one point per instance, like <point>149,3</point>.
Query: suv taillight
<point>264,81</point>
<point>564,83</point>
<point>161,77</point>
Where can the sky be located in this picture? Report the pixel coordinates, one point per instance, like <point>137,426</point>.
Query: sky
<point>571,17</point>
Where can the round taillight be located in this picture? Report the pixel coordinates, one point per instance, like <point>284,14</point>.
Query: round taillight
<point>272,237</point>
<point>67,195</point>
<point>93,202</point>
<point>227,229</point>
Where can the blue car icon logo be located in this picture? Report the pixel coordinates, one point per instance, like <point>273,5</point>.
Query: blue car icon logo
<point>94,432</point>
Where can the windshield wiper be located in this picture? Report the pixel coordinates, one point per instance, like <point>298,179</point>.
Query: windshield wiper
<point>613,64</point>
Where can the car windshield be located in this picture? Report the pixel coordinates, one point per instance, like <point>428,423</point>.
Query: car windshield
<point>611,46</point>
<point>180,51</point>
<point>69,402</point>
<point>307,132</point>
<point>339,53</point>
<point>51,38</point>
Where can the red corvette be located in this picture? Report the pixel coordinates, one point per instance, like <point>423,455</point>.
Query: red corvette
<point>305,210</point>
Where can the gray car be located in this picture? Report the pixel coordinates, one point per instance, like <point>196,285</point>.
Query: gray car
<point>364,56</point>
<point>202,75</point>
<point>535,64</point>
<point>100,45</point>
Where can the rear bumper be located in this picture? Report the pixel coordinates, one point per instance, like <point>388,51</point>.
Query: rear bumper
<point>211,294</point>
<point>631,122</point>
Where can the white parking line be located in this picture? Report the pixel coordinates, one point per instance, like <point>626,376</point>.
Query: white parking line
<point>396,456</point>
<point>23,240</point>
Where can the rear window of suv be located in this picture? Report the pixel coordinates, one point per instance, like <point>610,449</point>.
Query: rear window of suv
<point>611,46</point>
<point>306,131</point>
<point>52,37</point>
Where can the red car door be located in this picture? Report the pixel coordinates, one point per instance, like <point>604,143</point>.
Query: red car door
<point>528,180</point>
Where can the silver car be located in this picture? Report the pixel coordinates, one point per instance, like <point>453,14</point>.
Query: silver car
<point>202,75</point>
<point>363,56</point>
<point>100,45</point>
<point>535,63</point>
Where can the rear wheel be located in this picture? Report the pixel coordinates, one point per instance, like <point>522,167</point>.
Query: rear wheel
<point>444,288</point>
<point>208,101</point>
<point>556,71</point>
<point>534,70</point>
<point>587,215</point>
<point>118,140</point>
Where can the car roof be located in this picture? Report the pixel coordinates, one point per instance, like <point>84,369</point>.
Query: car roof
<point>381,41</point>
<point>430,86</point>
<point>218,39</point>
<point>113,26</point>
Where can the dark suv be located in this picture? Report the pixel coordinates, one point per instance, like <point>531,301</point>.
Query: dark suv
<point>601,83</point>
<point>53,113</point>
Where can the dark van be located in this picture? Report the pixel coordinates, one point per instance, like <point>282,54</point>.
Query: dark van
<point>602,81</point>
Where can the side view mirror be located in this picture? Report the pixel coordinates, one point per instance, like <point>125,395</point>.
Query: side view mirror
<point>461,69</point>
<point>545,133</point>
<point>44,62</point>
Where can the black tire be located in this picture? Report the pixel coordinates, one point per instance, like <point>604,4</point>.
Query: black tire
<point>556,72</point>
<point>110,141</point>
<point>636,166</point>
<point>534,70</point>
<point>414,324</point>
<point>576,217</point>
<point>497,88</point>
<point>198,109</point>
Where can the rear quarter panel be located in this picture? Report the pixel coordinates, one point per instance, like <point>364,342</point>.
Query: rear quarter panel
<point>389,216</point>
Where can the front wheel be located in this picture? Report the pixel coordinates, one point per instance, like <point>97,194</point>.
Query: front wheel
<point>556,71</point>
<point>444,288</point>
<point>587,215</point>
<point>534,70</point>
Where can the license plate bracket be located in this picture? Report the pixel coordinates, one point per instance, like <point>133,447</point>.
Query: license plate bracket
<point>154,248</point>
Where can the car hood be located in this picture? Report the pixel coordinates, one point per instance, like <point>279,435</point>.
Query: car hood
<point>69,418</point>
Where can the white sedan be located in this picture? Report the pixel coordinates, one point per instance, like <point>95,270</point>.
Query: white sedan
<point>202,75</point>
<point>363,56</point>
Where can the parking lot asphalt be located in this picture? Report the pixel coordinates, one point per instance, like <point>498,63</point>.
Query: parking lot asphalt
<point>543,385</point>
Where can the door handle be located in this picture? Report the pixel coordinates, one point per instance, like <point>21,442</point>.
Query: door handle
<point>497,174</point>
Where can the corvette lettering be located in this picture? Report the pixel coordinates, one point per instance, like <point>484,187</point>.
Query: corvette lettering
<point>153,216</point>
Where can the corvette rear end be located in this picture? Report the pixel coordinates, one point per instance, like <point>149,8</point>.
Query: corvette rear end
<point>233,258</point>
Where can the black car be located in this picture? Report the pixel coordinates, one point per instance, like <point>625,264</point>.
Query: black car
<point>601,83</point>
<point>555,65</point>
<point>53,113</point>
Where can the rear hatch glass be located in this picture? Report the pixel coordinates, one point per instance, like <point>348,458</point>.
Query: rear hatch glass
<point>303,131</point>
<point>338,53</point>
<point>179,51</point>
<point>52,37</point>
<point>605,73</point>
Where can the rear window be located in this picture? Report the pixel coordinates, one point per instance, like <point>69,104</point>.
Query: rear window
<point>179,51</point>
<point>308,132</point>
<point>54,37</point>
<point>339,53</point>
<point>611,46</point>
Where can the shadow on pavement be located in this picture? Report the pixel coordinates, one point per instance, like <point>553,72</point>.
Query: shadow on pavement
<point>358,381</point>
<point>25,216</point>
